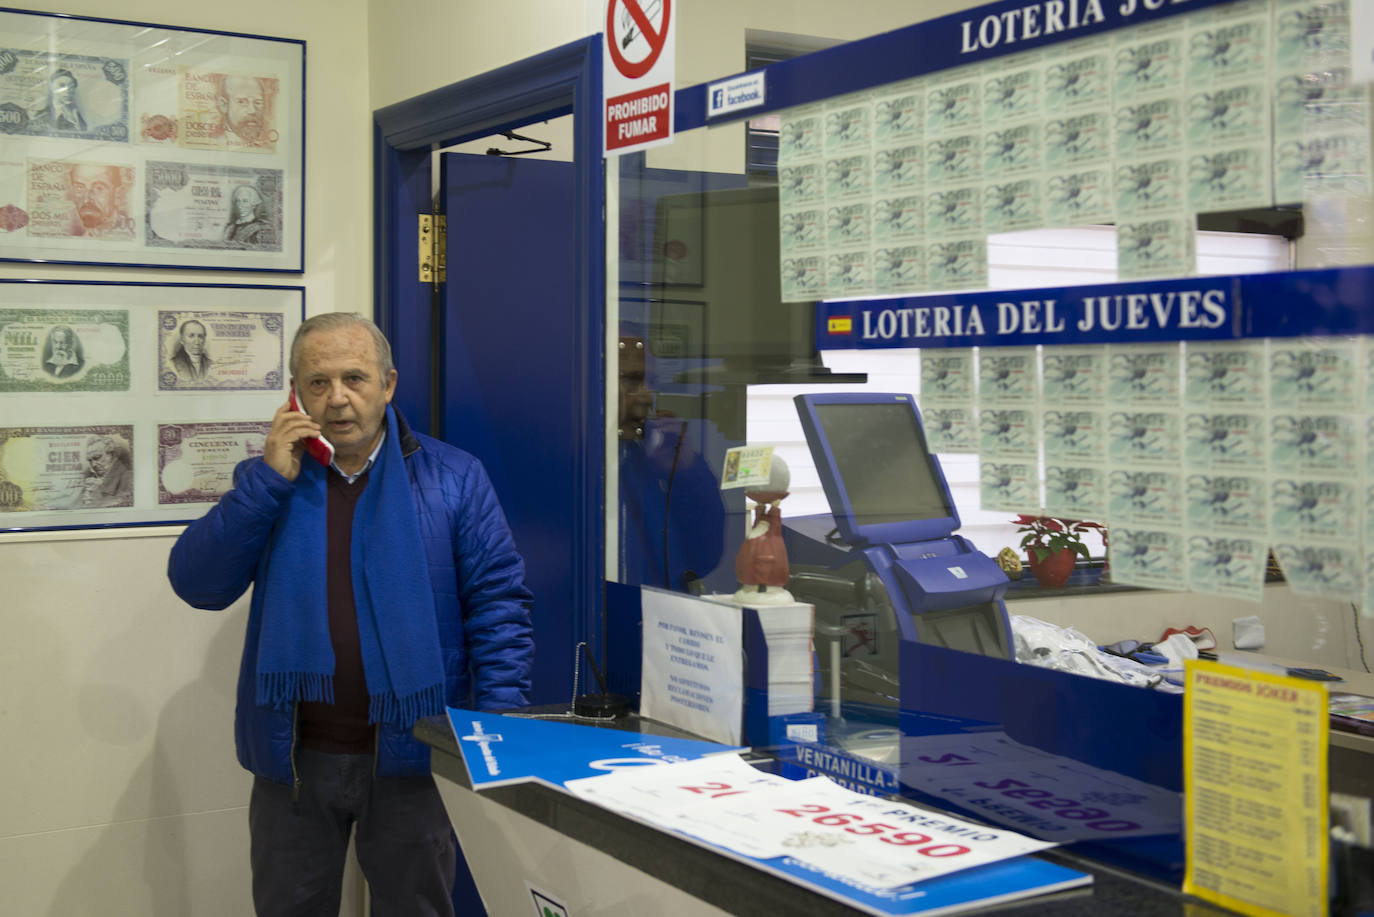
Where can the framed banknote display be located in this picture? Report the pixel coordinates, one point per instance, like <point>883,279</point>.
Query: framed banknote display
<point>131,403</point>
<point>128,143</point>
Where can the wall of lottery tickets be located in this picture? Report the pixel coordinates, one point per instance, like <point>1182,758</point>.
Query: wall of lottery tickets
<point>1200,457</point>
<point>894,190</point>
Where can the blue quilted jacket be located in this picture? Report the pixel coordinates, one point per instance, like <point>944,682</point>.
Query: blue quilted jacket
<point>482,604</point>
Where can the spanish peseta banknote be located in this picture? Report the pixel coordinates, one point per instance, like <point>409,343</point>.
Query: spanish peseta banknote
<point>51,469</point>
<point>87,200</point>
<point>224,208</point>
<point>72,96</point>
<point>195,461</point>
<point>227,111</point>
<point>64,350</point>
<point>220,351</point>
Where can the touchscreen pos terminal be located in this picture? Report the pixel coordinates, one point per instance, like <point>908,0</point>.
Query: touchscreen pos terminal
<point>884,566</point>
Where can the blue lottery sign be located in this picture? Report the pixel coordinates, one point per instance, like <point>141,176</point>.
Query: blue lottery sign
<point>1319,302</point>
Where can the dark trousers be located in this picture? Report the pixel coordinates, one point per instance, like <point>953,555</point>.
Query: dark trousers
<point>404,842</point>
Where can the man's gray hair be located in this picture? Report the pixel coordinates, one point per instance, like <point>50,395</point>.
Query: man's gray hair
<point>331,321</point>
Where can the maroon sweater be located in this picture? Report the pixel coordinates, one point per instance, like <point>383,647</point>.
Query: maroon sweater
<point>341,727</point>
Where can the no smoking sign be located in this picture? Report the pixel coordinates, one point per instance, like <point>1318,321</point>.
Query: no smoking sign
<point>637,73</point>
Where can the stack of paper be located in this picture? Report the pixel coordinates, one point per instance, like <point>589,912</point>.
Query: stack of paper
<point>693,662</point>
<point>787,631</point>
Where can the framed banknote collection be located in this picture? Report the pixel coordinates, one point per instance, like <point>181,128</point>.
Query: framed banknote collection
<point>131,403</point>
<point>126,143</point>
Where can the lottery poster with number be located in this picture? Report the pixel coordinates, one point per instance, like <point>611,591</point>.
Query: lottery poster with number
<point>885,856</point>
<point>1054,798</point>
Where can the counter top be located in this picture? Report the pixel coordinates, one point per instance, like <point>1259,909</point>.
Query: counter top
<point>739,888</point>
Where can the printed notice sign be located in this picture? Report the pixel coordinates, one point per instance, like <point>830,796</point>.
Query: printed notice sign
<point>638,61</point>
<point>693,665</point>
<point>1254,771</point>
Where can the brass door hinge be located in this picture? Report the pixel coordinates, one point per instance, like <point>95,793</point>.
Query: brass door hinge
<point>433,238</point>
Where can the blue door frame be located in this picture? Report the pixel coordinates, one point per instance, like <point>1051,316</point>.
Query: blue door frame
<point>565,80</point>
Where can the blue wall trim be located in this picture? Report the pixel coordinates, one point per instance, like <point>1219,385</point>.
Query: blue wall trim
<point>565,79</point>
<point>154,25</point>
<point>404,306</point>
<point>589,542</point>
<point>539,87</point>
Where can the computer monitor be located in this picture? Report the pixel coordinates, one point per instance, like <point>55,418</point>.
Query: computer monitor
<point>882,482</point>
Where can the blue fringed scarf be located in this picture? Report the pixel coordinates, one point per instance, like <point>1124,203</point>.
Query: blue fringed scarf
<point>396,624</point>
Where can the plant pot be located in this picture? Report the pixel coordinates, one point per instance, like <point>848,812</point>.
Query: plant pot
<point>1054,570</point>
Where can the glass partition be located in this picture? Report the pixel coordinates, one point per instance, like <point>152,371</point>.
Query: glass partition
<point>1116,275</point>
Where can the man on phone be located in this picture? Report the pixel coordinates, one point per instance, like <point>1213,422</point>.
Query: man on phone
<point>386,587</point>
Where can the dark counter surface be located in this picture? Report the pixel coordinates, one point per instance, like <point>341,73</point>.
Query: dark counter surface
<point>740,888</point>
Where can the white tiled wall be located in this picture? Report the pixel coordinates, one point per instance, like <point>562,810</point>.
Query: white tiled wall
<point>183,864</point>
<point>119,791</point>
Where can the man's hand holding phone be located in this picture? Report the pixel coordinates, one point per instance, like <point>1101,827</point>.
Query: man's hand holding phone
<point>321,449</point>
<point>293,433</point>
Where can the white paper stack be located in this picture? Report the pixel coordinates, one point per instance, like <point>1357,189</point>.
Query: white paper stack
<point>787,631</point>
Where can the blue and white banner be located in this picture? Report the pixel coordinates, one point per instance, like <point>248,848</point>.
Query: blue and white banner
<point>1320,302</point>
<point>736,93</point>
<point>509,749</point>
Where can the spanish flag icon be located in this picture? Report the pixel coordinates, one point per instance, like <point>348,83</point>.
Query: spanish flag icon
<point>839,324</point>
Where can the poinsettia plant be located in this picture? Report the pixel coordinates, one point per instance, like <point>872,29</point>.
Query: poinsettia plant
<point>1047,535</point>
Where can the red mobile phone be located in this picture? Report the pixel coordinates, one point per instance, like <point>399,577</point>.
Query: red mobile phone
<point>320,448</point>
